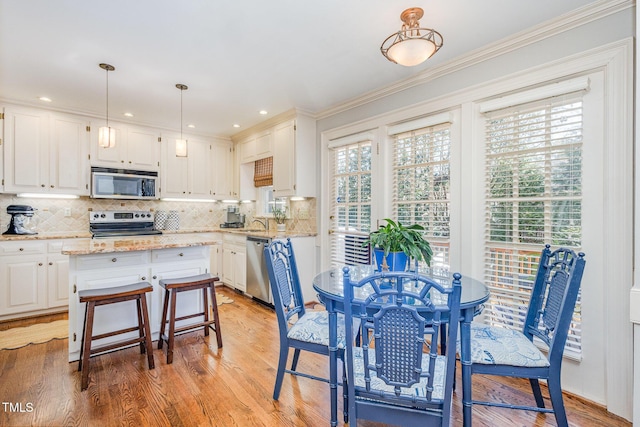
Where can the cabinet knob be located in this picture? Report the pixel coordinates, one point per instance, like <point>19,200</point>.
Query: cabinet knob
<point>21,249</point>
<point>40,264</point>
<point>180,254</point>
<point>143,278</point>
<point>121,161</point>
<point>50,263</point>
<point>42,185</point>
<point>114,259</point>
<point>53,186</point>
<point>155,277</point>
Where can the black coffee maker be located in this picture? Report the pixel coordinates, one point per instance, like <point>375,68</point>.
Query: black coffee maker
<point>20,220</point>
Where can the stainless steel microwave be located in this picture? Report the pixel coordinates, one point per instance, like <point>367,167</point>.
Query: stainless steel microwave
<point>108,183</point>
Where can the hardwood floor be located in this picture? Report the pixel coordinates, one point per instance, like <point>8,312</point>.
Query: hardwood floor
<point>231,386</point>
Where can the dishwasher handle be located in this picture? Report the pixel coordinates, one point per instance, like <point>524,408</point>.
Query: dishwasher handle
<point>258,240</point>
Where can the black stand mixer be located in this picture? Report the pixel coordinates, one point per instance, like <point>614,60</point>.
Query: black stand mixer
<point>20,219</point>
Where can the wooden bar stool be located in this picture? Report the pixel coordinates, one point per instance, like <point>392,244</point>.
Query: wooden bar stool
<point>171,289</point>
<point>96,297</point>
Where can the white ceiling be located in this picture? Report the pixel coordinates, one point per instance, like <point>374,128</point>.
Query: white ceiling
<point>237,57</point>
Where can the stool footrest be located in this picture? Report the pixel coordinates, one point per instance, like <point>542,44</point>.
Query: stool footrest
<point>119,344</point>
<point>110,334</point>
<point>194,326</point>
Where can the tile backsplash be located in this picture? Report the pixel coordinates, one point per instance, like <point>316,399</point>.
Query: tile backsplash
<point>50,215</point>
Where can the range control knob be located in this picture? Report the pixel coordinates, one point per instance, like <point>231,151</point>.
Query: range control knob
<point>103,216</point>
<point>137,215</point>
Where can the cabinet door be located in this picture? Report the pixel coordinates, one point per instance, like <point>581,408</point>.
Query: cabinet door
<point>228,266</point>
<point>143,148</point>
<point>199,169</point>
<point>68,161</point>
<point>175,170</point>
<point>284,160</point>
<point>216,261</point>
<point>240,269</point>
<point>247,151</point>
<point>189,303</point>
<point>22,284</point>
<point>222,169</point>
<point>110,317</point>
<point>109,157</point>
<point>58,280</point>
<point>26,157</point>
<point>264,145</point>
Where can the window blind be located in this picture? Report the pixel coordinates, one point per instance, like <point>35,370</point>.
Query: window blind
<point>263,172</point>
<point>421,178</point>
<point>533,196</point>
<point>350,203</point>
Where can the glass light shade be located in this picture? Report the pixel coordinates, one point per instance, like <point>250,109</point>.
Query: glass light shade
<point>106,137</point>
<point>410,52</point>
<point>181,148</point>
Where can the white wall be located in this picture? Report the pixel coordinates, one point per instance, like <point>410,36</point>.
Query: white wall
<point>611,383</point>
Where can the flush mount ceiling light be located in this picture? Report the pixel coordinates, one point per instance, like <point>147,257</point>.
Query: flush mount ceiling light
<point>411,45</point>
<point>106,135</point>
<point>181,144</point>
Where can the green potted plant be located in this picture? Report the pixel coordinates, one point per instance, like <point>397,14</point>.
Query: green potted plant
<point>279,216</point>
<point>393,244</point>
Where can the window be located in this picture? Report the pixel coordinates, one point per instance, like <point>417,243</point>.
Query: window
<point>533,188</point>
<point>266,202</point>
<point>351,203</point>
<point>421,177</point>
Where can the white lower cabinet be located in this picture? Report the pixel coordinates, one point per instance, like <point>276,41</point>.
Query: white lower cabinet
<point>122,268</point>
<point>234,261</point>
<point>33,278</point>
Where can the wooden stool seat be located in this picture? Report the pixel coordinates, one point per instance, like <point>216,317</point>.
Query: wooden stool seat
<point>103,296</point>
<point>171,289</point>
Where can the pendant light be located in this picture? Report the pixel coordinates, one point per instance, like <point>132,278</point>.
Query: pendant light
<point>411,45</point>
<point>106,135</point>
<point>181,144</point>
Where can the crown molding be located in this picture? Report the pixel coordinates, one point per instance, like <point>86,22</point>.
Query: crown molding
<point>553,27</point>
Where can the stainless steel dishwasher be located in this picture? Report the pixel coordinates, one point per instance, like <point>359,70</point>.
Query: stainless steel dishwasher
<point>257,276</point>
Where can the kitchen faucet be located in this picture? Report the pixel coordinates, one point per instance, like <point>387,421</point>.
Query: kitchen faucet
<point>265,223</point>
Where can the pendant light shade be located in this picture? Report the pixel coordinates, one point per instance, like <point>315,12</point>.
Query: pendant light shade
<point>181,144</point>
<point>411,45</point>
<point>106,135</point>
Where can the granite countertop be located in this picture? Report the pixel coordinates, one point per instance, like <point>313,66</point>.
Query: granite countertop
<point>272,234</point>
<point>138,243</point>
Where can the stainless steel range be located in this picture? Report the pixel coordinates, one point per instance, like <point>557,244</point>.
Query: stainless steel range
<point>121,223</point>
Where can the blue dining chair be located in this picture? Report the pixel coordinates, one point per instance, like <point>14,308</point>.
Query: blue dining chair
<point>501,351</point>
<point>299,329</point>
<point>398,376</point>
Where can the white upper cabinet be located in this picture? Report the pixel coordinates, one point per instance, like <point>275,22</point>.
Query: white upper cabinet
<point>264,145</point>
<point>247,150</point>
<point>186,177</point>
<point>137,148</point>
<point>294,159</point>
<point>45,152</point>
<point>222,171</point>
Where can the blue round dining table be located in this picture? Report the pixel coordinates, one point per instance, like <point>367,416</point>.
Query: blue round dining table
<point>330,288</point>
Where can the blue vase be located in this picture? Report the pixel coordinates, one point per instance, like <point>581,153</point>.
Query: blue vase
<point>396,261</point>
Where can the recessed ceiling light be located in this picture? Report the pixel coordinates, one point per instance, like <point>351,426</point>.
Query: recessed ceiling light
<point>128,115</point>
<point>44,99</point>
<point>235,125</point>
<point>263,112</point>
<point>192,126</point>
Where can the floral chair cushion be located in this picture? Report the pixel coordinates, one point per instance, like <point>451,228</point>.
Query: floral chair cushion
<point>418,389</point>
<point>313,327</point>
<point>492,345</point>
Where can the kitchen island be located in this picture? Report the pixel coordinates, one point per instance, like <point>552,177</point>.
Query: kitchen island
<point>104,263</point>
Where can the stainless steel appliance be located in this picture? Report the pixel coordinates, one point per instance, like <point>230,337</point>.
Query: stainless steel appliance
<point>121,223</point>
<point>233,219</point>
<point>108,183</point>
<point>21,220</point>
<point>257,276</point>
